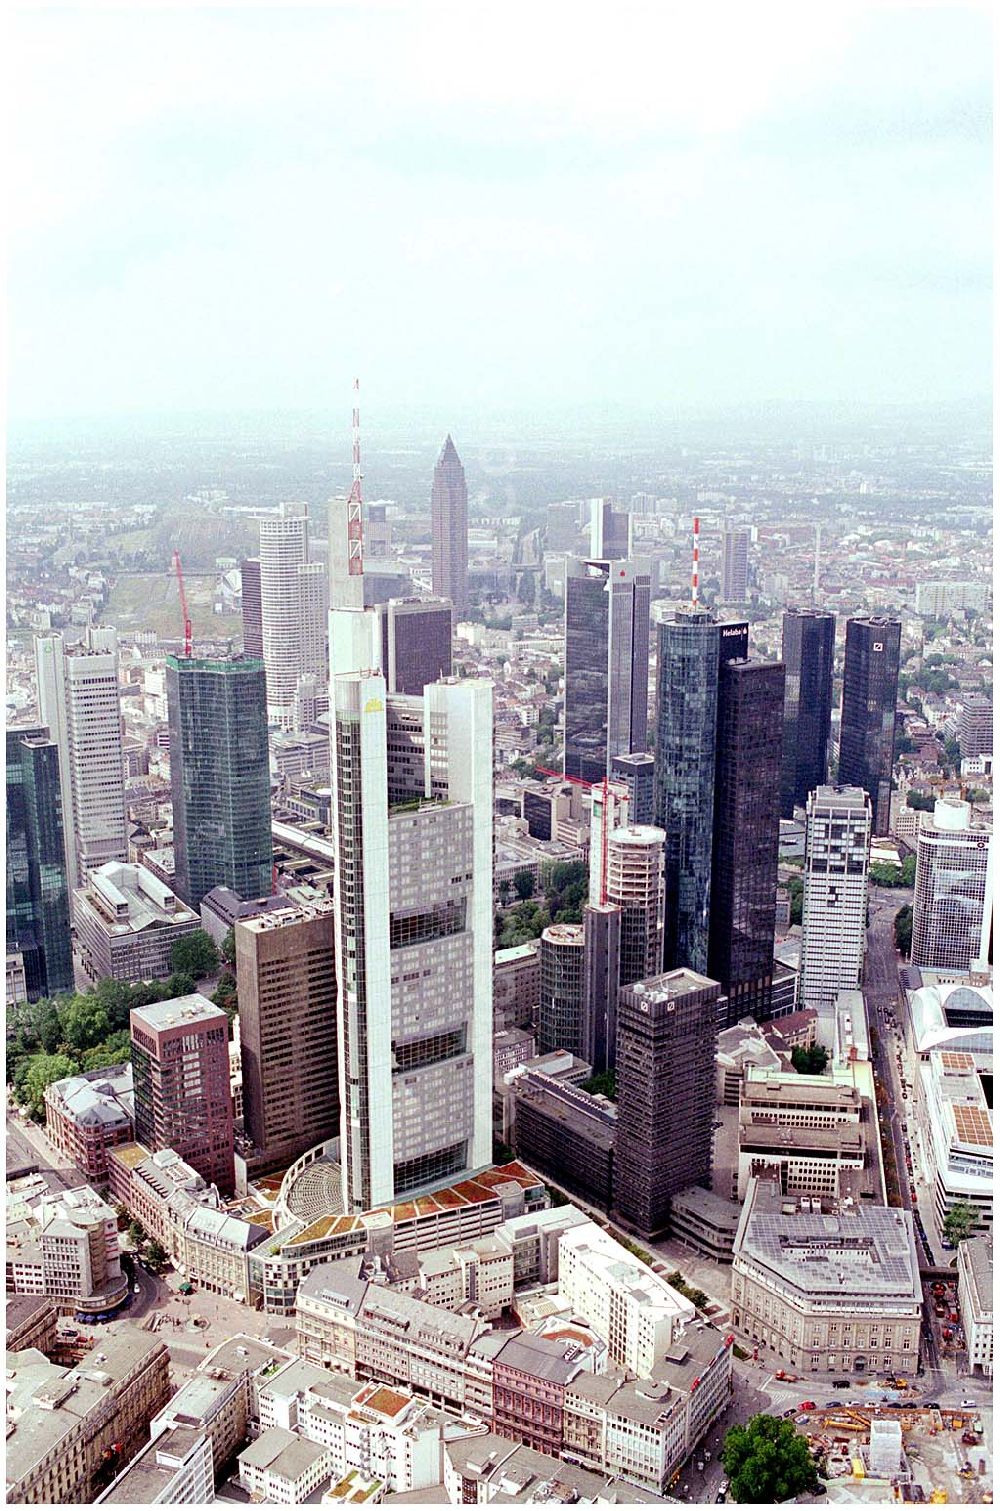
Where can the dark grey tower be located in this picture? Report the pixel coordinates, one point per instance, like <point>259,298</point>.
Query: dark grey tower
<point>38,912</point>
<point>253,628</point>
<point>602,928</point>
<point>807,650</point>
<point>607,664</point>
<point>638,772</point>
<point>450,529</point>
<point>416,643</point>
<point>868,712</point>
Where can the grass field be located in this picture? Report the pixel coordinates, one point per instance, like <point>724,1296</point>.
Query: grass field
<point>151,602</point>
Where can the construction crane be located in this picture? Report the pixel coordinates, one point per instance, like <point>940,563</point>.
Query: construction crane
<point>184,603</point>
<point>604,788</point>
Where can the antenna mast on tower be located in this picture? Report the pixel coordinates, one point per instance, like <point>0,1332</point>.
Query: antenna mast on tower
<point>355,564</point>
<point>694,563</point>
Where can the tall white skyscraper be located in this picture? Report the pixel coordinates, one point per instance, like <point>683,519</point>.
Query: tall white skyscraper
<point>953,862</point>
<point>735,565</point>
<point>79,702</point>
<point>293,609</point>
<point>834,893</point>
<point>635,885</point>
<point>412,786</point>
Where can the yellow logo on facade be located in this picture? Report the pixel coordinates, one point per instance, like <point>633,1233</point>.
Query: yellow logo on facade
<point>374,706</point>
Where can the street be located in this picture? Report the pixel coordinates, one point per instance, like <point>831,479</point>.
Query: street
<point>27,1148</point>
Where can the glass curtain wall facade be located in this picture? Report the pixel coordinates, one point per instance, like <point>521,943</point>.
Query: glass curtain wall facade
<point>38,914</point>
<point>607,664</point>
<point>807,637</point>
<point>868,712</point>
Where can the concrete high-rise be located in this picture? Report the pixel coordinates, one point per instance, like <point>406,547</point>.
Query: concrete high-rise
<point>807,637</point>
<point>834,893</point>
<point>950,891</point>
<point>79,704</point>
<point>635,886</point>
<point>562,1017</point>
<point>975,727</point>
<point>746,822</point>
<point>293,608</point>
<point>690,647</point>
<point>287,982</point>
<point>220,779</point>
<point>253,632</point>
<point>450,529</point>
<point>416,643</point>
<point>412,782</point>
<point>735,564</point>
<point>602,927</point>
<point>38,914</point>
<point>665,1073</point>
<point>180,1068</point>
<point>607,664</point>
<point>868,712</point>
<point>638,772</point>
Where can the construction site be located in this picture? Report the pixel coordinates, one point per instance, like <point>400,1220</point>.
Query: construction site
<point>902,1452</point>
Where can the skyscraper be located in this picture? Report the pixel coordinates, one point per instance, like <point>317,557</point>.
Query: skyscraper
<point>635,886</point>
<point>610,531</point>
<point>293,608</point>
<point>562,1016</point>
<point>602,927</point>
<point>975,727</point>
<point>412,784</point>
<point>450,529</point>
<point>868,712</point>
<point>690,648</point>
<point>745,834</point>
<point>807,637</point>
<point>607,664</point>
<point>834,893</point>
<point>638,772</point>
<point>219,776</point>
<point>38,915</point>
<point>287,982</point>
<point>416,643</point>
<point>180,1066</point>
<point>253,633</point>
<point>79,703</point>
<point>735,564</point>
<point>664,1092</point>
<point>949,895</point>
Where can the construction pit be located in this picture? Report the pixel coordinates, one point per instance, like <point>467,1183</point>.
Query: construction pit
<point>937,1466</point>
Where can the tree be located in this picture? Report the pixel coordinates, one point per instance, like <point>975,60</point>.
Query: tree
<point>922,802</point>
<point>225,995</point>
<point>811,1061</point>
<point>227,949</point>
<point>195,955</point>
<point>902,928</point>
<point>154,1254</point>
<point>603,1085</point>
<point>84,1021</point>
<point>524,885</point>
<point>908,871</point>
<point>135,1233</point>
<point>37,1072</point>
<point>959,1222</point>
<point>767,1461</point>
<point>114,1050</point>
<point>795,899</point>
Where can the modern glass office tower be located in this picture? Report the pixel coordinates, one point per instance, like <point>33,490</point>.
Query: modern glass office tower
<point>951,890</point>
<point>220,778</point>
<point>638,772</point>
<point>745,840</point>
<point>294,599</point>
<point>635,887</point>
<point>416,643</point>
<point>450,529</point>
<point>412,782</point>
<point>253,632</point>
<point>607,664</point>
<point>835,893</point>
<point>690,646</point>
<point>807,637</point>
<point>735,565</point>
<point>562,1010</point>
<point>38,917</point>
<point>868,712</point>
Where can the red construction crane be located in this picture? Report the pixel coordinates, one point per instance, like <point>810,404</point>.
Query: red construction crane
<point>602,787</point>
<point>184,603</point>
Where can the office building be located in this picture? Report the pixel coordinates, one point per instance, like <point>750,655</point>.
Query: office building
<point>975,727</point>
<point>635,888</point>
<point>807,1132</point>
<point>607,664</point>
<point>174,1469</point>
<point>610,531</point>
<point>950,917</point>
<point>287,983</point>
<point>975,1300</point>
<point>627,1304</point>
<point>67,1248</point>
<point>79,705</point>
<point>566,1135</point>
<point>378,533</point>
<point>293,608</point>
<point>516,985</point>
<point>955,1123</point>
<point>940,600</point>
<point>807,637</point>
<point>690,648</point>
<point>413,830</point>
<point>638,773</point>
<point>834,894</point>
<point>735,565</point>
<point>450,530</point>
<point>416,643</point>
<point>253,629</point>
<point>69,1431</point>
<point>180,1067</point>
<point>745,838</point>
<point>562,1016</point>
<point>127,923</point>
<point>38,914</point>
<point>219,776</point>
<point>602,926</point>
<point>828,1284</point>
<point>664,1088</point>
<point>88,1114</point>
<point>868,712</point>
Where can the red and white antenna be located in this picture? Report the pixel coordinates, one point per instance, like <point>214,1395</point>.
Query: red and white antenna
<point>694,562</point>
<point>355,563</point>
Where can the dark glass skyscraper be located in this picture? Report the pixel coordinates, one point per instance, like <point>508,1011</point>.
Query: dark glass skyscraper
<point>607,664</point>
<point>450,529</point>
<point>219,776</point>
<point>638,772</point>
<point>690,646</point>
<point>807,650</point>
<point>38,912</point>
<point>745,834</point>
<point>253,629</point>
<point>868,712</point>
<point>416,643</point>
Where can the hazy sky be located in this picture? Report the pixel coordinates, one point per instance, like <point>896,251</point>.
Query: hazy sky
<point>495,203</point>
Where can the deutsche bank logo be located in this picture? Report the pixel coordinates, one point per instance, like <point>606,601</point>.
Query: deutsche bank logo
<point>876,645</point>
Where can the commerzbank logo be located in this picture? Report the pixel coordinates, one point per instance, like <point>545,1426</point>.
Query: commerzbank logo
<point>374,706</point>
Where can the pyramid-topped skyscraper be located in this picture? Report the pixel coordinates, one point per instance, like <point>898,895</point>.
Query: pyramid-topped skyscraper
<point>450,529</point>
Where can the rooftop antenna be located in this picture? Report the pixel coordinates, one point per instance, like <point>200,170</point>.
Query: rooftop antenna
<point>694,563</point>
<point>819,535</point>
<point>184,604</point>
<point>355,564</point>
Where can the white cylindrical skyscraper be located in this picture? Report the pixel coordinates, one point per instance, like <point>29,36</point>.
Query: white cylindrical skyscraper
<point>949,895</point>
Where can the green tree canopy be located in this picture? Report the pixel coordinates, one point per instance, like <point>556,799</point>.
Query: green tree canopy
<point>603,1085</point>
<point>195,955</point>
<point>902,928</point>
<point>767,1461</point>
<point>959,1222</point>
<point>114,1050</point>
<point>811,1061</point>
<point>84,1021</point>
<point>524,884</point>
<point>922,802</point>
<point>37,1072</point>
<point>227,949</point>
<point>154,1254</point>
